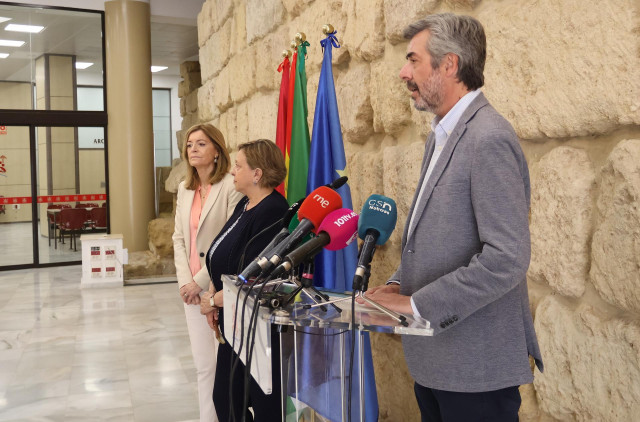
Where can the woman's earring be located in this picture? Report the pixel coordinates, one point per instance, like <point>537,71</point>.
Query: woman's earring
<point>215,160</point>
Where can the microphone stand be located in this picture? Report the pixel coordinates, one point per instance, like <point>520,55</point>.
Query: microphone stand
<point>361,294</point>
<point>306,284</point>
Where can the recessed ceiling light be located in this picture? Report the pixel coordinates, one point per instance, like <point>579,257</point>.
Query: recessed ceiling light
<point>83,65</point>
<point>33,29</point>
<point>4,55</point>
<point>158,68</point>
<point>11,43</point>
<point>3,19</point>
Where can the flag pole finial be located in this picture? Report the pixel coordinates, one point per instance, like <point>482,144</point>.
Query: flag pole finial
<point>327,29</point>
<point>286,53</point>
<point>293,45</point>
<point>300,37</point>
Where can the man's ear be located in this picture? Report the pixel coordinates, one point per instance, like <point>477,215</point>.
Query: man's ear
<point>451,64</point>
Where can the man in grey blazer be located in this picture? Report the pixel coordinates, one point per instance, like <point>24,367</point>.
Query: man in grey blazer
<point>466,246</point>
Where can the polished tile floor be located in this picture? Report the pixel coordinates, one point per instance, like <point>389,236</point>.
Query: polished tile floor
<point>117,354</point>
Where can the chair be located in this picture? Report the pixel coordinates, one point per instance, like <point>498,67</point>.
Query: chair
<point>71,221</point>
<point>86,205</point>
<point>53,221</point>
<point>98,216</point>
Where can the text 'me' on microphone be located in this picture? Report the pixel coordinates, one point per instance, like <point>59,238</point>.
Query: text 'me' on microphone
<point>316,206</point>
<point>377,222</point>
<point>336,232</point>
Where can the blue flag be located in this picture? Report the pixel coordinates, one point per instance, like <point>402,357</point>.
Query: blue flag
<point>333,269</point>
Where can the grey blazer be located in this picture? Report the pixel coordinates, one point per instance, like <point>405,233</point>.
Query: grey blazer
<point>466,259</point>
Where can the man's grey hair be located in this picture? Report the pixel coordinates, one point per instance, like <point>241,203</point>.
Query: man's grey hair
<point>458,34</point>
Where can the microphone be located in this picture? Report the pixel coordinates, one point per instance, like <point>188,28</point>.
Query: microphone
<point>317,205</point>
<point>336,231</point>
<point>338,183</point>
<point>376,223</point>
<point>260,262</point>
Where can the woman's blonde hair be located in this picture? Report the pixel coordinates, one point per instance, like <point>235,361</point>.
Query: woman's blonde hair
<point>265,155</point>
<point>220,168</point>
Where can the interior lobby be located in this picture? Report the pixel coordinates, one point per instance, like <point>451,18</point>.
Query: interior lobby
<point>67,123</point>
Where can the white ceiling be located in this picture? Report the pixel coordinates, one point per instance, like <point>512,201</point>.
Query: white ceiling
<point>173,40</point>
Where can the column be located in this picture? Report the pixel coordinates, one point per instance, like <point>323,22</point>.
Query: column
<point>130,130</point>
<point>57,146</point>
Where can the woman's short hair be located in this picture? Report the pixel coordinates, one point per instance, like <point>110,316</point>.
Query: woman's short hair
<point>220,169</point>
<point>265,155</point>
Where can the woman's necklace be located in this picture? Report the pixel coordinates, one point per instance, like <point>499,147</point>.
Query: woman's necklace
<point>203,193</point>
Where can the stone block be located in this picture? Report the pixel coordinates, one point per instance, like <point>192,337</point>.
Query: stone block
<point>206,107</point>
<point>390,98</point>
<point>615,251</point>
<point>160,232</point>
<point>180,141</point>
<point>592,363</point>
<point>205,23</point>
<point>146,264</point>
<point>542,56</point>
<point>176,176</point>
<point>310,21</point>
<point>189,67</point>
<point>365,172</point>
<point>182,89</point>
<point>241,126</point>
<point>191,102</point>
<point>221,90</point>
<point>262,17</point>
<point>238,30</point>
<point>398,14</point>
<point>183,106</point>
<point>227,125</point>
<point>192,82</point>
<point>242,72</point>
<point>262,115</point>
<point>189,120</point>
<point>295,7</point>
<point>214,54</point>
<point>354,103</point>
<point>401,165</point>
<point>562,190</point>
<point>221,11</point>
<point>364,33</point>
<point>268,55</point>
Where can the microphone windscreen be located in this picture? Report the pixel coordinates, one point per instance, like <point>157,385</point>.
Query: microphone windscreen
<point>378,213</point>
<point>319,204</point>
<point>342,227</point>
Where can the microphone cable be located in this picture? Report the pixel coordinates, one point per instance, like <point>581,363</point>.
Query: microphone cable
<point>235,360</point>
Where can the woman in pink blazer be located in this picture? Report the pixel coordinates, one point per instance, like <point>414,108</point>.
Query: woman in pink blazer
<point>206,200</point>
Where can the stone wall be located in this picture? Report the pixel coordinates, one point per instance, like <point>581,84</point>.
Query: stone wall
<point>566,75</point>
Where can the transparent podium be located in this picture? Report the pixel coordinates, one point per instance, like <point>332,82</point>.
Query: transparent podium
<point>318,373</point>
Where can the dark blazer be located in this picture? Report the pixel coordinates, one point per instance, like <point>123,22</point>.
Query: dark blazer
<point>465,262</point>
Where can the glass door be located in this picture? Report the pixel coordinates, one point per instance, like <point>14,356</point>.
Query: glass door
<point>16,210</point>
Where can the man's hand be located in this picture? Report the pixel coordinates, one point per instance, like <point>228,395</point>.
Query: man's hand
<point>389,296</point>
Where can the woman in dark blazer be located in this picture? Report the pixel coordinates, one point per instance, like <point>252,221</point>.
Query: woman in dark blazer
<point>259,169</point>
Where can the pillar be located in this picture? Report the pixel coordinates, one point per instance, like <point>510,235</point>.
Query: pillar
<point>57,146</point>
<point>130,129</point>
